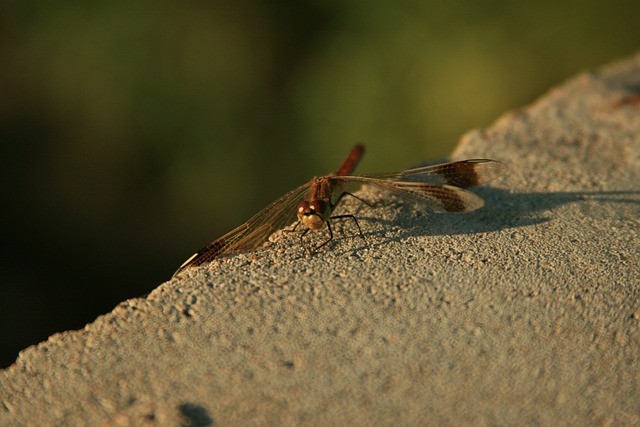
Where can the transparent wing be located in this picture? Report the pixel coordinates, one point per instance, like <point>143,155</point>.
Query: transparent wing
<point>254,232</point>
<point>442,186</point>
<point>464,174</point>
<point>442,197</point>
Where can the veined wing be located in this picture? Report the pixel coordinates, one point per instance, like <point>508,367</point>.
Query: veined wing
<point>443,197</point>
<point>463,174</point>
<point>439,185</point>
<point>254,232</point>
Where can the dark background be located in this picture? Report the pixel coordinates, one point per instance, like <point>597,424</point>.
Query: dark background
<point>133,134</point>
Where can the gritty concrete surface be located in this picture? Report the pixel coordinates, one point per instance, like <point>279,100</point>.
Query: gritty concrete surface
<point>523,313</point>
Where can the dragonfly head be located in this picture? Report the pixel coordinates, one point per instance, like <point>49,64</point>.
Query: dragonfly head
<point>314,214</point>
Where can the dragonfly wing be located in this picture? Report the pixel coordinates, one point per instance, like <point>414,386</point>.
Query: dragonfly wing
<point>252,233</point>
<point>443,197</point>
<point>464,174</point>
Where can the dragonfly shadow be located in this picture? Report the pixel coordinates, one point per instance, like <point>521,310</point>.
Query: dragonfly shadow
<point>503,210</point>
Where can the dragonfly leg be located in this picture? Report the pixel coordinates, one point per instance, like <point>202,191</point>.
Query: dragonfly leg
<point>354,220</point>
<point>306,247</point>
<point>286,230</point>
<point>355,197</point>
<point>331,232</point>
<point>328,240</point>
<point>304,233</point>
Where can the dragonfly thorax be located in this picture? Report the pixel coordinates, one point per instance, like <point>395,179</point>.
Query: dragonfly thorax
<point>314,214</point>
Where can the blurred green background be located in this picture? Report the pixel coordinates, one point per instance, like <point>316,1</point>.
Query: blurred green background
<point>133,133</point>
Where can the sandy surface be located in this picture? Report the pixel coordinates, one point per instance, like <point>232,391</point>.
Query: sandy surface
<point>525,312</point>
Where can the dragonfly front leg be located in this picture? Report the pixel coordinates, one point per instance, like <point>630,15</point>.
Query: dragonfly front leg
<point>307,247</point>
<point>326,241</point>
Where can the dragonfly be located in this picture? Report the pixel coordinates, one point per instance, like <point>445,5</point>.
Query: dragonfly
<point>442,186</point>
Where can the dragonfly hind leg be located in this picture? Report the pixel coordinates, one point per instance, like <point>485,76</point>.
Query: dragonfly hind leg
<point>346,193</point>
